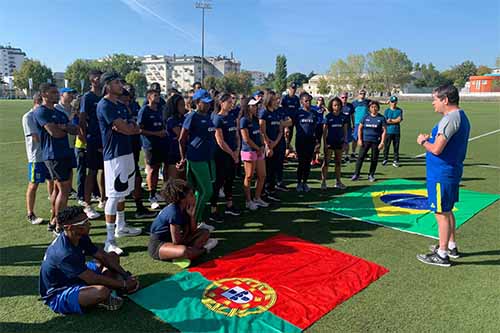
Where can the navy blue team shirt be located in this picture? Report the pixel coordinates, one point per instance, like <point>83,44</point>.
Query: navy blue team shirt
<point>171,214</point>
<point>305,122</point>
<point>89,106</point>
<point>201,141</point>
<point>115,144</point>
<point>290,104</point>
<point>229,129</point>
<point>373,127</point>
<point>335,125</point>
<point>62,264</point>
<point>151,120</point>
<point>273,121</point>
<point>253,132</point>
<point>52,148</point>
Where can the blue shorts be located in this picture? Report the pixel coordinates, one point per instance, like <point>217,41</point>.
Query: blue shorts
<point>66,301</point>
<point>37,172</point>
<point>355,132</point>
<point>441,196</point>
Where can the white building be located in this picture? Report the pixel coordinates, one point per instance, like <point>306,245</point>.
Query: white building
<point>258,78</point>
<point>11,59</point>
<point>181,72</point>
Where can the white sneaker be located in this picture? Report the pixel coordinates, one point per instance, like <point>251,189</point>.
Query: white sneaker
<point>127,231</point>
<point>260,203</point>
<point>323,185</point>
<point>222,195</point>
<point>154,203</point>
<point>82,203</point>
<point>341,186</point>
<point>211,243</point>
<point>101,204</point>
<point>203,225</point>
<point>112,247</point>
<point>251,205</point>
<point>91,213</point>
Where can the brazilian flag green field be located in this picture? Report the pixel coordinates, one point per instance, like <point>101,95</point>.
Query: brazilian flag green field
<point>402,204</point>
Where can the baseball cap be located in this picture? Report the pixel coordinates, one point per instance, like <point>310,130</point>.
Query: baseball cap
<point>202,95</point>
<point>67,90</point>
<point>253,102</point>
<point>393,99</point>
<point>293,85</point>
<point>108,77</point>
<point>362,91</point>
<point>258,92</point>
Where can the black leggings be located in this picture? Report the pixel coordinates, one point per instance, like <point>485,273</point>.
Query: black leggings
<point>305,151</point>
<point>224,176</point>
<point>367,145</point>
<point>272,169</point>
<point>395,139</point>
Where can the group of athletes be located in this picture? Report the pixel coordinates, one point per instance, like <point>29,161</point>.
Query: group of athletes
<point>198,143</point>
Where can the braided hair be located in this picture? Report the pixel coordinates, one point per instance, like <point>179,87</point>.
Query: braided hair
<point>174,190</point>
<point>68,214</point>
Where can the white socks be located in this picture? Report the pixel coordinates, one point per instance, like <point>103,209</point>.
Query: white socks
<point>452,245</point>
<point>110,232</point>
<point>120,220</point>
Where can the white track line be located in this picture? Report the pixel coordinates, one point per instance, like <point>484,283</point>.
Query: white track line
<point>488,166</point>
<point>10,143</point>
<point>471,139</point>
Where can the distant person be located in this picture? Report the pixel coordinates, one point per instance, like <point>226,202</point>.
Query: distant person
<point>290,104</point>
<point>321,110</point>
<point>68,284</point>
<point>335,131</point>
<point>360,111</point>
<point>305,122</point>
<point>446,148</point>
<point>197,86</point>
<point>174,232</point>
<point>177,110</point>
<point>197,147</point>
<point>394,116</point>
<point>54,127</point>
<point>91,133</point>
<point>119,168</point>
<point>348,112</point>
<point>154,143</point>
<point>226,157</point>
<point>37,171</point>
<point>253,153</point>
<point>371,136</point>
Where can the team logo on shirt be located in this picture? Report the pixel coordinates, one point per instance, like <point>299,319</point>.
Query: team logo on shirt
<point>238,297</point>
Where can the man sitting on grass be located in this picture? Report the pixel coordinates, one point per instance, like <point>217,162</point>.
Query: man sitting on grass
<point>67,283</point>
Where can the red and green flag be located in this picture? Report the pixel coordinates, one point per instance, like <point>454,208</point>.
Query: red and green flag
<point>283,284</point>
<point>402,204</point>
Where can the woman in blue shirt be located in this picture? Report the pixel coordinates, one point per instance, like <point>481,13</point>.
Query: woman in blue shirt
<point>174,233</point>
<point>334,139</point>
<point>252,153</point>
<point>227,155</point>
<point>371,135</point>
<point>176,108</point>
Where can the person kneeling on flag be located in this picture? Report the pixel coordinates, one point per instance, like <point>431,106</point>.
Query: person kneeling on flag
<point>174,233</point>
<point>67,283</point>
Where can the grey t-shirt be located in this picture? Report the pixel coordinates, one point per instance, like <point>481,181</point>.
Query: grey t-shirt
<point>449,124</point>
<point>33,149</point>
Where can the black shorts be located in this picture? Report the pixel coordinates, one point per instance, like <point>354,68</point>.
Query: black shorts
<point>154,156</point>
<point>318,133</point>
<point>60,170</point>
<point>154,247</point>
<point>95,160</point>
<point>173,159</point>
<point>137,155</point>
<point>336,145</point>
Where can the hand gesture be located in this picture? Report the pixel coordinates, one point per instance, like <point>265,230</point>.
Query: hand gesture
<point>132,285</point>
<point>381,145</point>
<point>180,165</point>
<point>190,209</point>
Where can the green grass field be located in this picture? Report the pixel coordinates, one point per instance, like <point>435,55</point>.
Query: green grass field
<point>412,297</point>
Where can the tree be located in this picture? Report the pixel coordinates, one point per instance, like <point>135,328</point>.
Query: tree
<point>348,74</point>
<point>323,86</point>
<point>390,68</point>
<point>459,74</point>
<point>430,77</point>
<point>120,63</point>
<point>417,67</point>
<point>210,82</point>
<point>298,78</point>
<point>79,70</point>
<point>240,83</point>
<point>139,81</point>
<point>280,74</point>
<point>310,75</point>
<point>35,70</point>
<point>497,62</point>
<point>482,70</point>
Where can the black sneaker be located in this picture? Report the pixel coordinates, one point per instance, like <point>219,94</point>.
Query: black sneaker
<point>384,162</point>
<point>143,212</point>
<point>33,219</point>
<point>451,253</point>
<point>282,187</point>
<point>353,156</point>
<point>271,196</point>
<point>232,211</point>
<point>214,217</point>
<point>51,227</point>
<point>434,259</point>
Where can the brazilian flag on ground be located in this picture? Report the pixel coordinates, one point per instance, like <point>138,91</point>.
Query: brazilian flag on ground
<point>402,204</point>
<point>283,284</point>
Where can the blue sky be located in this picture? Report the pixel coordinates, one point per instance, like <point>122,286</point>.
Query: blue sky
<point>311,33</point>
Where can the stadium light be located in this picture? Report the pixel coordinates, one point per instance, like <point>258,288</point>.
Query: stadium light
<point>203,5</point>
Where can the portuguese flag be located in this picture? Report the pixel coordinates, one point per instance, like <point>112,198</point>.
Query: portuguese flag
<point>402,204</point>
<point>283,284</point>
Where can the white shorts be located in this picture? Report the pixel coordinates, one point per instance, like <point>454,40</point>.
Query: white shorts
<point>119,176</point>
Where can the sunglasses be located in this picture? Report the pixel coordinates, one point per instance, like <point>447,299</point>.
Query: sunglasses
<point>343,97</point>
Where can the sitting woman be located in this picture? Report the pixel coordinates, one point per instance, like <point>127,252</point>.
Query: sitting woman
<point>174,234</point>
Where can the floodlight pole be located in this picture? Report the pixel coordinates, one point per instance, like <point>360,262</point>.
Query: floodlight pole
<point>203,5</point>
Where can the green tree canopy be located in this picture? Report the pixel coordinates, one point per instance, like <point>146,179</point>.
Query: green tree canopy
<point>139,81</point>
<point>298,78</point>
<point>348,74</point>
<point>482,70</point>
<point>120,63</point>
<point>323,86</point>
<point>389,67</point>
<point>79,70</point>
<point>35,70</point>
<point>459,74</point>
<point>280,74</point>
<point>240,83</point>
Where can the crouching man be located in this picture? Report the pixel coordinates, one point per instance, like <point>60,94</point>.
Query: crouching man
<point>67,283</point>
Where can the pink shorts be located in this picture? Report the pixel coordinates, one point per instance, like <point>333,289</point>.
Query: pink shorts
<point>251,156</point>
